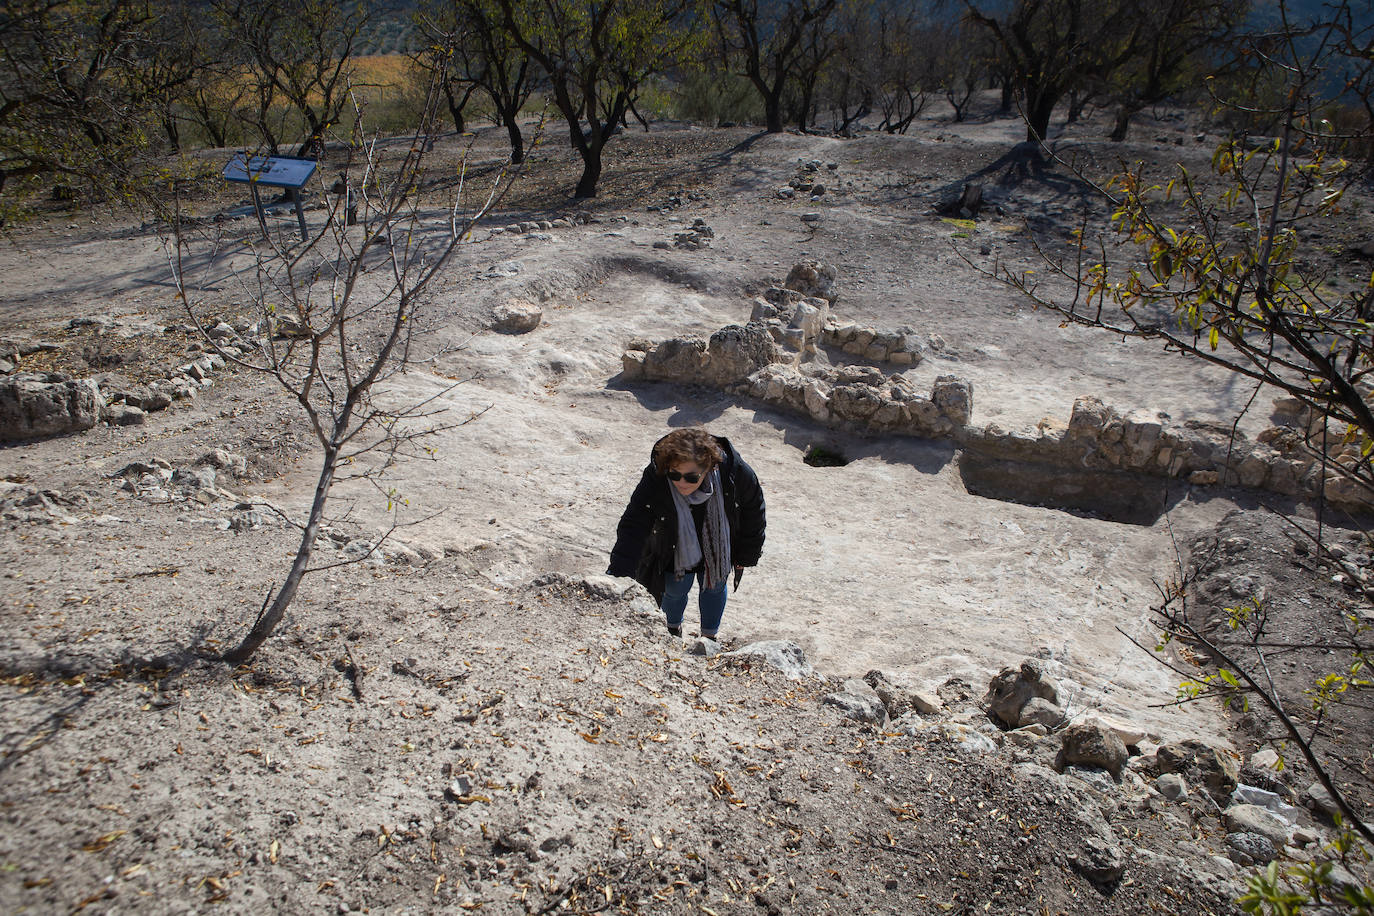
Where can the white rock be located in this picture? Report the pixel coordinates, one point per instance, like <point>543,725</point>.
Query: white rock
<point>787,657</point>
<point>1258,820</point>
<point>1130,735</point>
<point>1250,795</point>
<point>926,702</point>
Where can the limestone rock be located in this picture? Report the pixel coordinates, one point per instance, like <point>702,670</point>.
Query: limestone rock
<point>1172,786</point>
<point>1094,744</point>
<point>735,352</point>
<point>1201,764</point>
<point>1251,849</point>
<point>1270,801</point>
<point>676,359</point>
<point>123,415</point>
<point>858,701</point>
<point>46,404</point>
<point>813,278</point>
<point>926,703</point>
<point>953,397</point>
<point>808,319</point>
<point>896,701</point>
<point>787,657</point>
<point>148,401</point>
<point>1130,735</point>
<point>516,317</point>
<point>1039,711</point>
<point>705,646</point>
<point>1090,416</point>
<point>1012,688</point>
<point>1321,799</point>
<point>1140,432</point>
<point>605,587</point>
<point>632,364</point>
<point>1255,819</point>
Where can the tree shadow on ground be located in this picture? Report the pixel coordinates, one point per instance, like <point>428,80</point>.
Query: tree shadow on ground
<point>1023,166</point>
<point>88,679</point>
<point>692,405</point>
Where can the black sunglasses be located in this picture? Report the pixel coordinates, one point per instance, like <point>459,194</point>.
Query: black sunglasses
<point>690,476</point>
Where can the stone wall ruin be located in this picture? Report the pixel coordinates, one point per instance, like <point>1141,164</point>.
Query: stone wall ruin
<point>1098,452</point>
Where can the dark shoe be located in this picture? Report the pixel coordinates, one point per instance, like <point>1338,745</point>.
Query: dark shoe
<point>675,632</point>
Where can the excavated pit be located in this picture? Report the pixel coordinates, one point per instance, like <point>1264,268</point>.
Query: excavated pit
<point>1117,496</point>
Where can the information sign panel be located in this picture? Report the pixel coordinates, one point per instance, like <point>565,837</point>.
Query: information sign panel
<point>272,171</point>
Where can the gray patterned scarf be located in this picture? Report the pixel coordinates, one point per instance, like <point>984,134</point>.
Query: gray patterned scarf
<point>714,544</point>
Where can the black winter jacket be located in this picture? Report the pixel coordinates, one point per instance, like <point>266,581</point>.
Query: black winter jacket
<point>646,538</point>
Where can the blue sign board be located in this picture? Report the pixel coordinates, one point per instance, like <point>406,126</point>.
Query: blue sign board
<point>272,171</point>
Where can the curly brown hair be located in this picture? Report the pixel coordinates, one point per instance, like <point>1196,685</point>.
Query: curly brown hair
<point>683,445</point>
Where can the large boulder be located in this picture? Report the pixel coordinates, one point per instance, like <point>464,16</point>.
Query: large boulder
<point>516,317</point>
<point>737,351</point>
<point>1013,688</point>
<point>1201,764</point>
<point>813,278</point>
<point>33,405</point>
<point>1089,418</point>
<point>1093,744</point>
<point>677,359</point>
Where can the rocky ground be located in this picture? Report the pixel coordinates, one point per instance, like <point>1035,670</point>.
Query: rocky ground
<point>468,716</point>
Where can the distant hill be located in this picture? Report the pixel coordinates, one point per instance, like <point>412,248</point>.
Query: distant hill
<point>391,29</point>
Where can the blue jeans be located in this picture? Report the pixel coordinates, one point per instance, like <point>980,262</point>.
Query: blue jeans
<point>711,602</point>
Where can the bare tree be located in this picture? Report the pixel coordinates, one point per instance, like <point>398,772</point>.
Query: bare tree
<point>963,63</point>
<point>780,47</point>
<point>596,57</point>
<point>342,312</point>
<point>300,54</point>
<point>65,105</point>
<point>466,44</point>
<point>1052,47</point>
<point>1181,43</point>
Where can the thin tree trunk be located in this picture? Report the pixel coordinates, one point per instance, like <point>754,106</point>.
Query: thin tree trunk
<point>1122,126</point>
<point>517,139</point>
<point>772,107</point>
<point>282,600</point>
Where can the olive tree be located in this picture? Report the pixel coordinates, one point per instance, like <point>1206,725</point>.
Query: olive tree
<point>779,47</point>
<point>299,55</point>
<point>596,56</point>
<point>468,50</point>
<point>66,105</point>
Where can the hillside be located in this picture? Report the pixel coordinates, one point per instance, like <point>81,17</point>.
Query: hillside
<point>471,716</point>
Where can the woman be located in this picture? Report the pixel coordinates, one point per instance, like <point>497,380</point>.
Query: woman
<point>696,514</point>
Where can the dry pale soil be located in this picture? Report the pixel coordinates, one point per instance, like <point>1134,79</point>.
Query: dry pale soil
<point>461,720</point>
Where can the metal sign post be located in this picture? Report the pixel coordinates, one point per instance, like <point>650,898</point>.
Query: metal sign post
<point>274,172</point>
